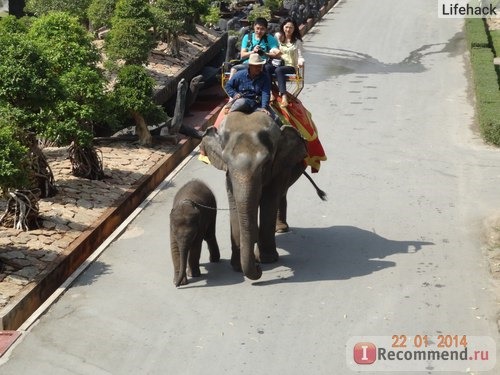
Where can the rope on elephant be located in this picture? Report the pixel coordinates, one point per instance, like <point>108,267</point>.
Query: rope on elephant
<point>196,204</point>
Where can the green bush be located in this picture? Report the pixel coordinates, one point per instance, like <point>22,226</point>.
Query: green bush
<point>495,41</point>
<point>259,11</point>
<point>129,40</point>
<point>76,8</point>
<point>476,33</point>
<point>487,93</point>
<point>64,41</point>
<point>100,13</point>
<point>13,158</point>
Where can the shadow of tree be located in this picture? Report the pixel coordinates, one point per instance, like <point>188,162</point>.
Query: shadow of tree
<point>327,62</point>
<point>337,253</point>
<point>99,269</point>
<point>23,265</point>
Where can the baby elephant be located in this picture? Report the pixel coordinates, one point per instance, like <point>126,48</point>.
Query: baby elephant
<point>192,220</point>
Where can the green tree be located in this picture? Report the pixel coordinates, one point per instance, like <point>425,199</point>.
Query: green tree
<point>133,92</point>
<point>27,82</point>
<point>11,25</point>
<point>172,18</point>
<point>100,13</point>
<point>129,38</point>
<point>13,158</point>
<point>64,41</point>
<point>81,89</point>
<point>22,204</point>
<point>259,11</point>
<point>76,8</point>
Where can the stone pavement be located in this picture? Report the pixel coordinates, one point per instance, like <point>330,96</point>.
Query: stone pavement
<point>36,262</point>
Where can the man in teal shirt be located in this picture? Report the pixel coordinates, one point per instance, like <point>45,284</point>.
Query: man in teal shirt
<point>259,41</point>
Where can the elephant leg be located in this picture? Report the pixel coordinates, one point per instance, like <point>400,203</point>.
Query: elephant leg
<point>194,258</point>
<point>211,241</point>
<point>281,224</point>
<point>266,251</point>
<point>235,229</point>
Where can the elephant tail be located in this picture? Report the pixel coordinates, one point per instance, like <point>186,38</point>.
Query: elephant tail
<point>320,192</point>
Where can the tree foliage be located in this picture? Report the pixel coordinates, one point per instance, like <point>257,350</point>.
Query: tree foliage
<point>100,12</point>
<point>27,82</point>
<point>133,93</point>
<point>64,41</point>
<point>134,90</point>
<point>13,157</point>
<point>76,8</point>
<point>172,17</point>
<point>129,38</point>
<point>10,25</point>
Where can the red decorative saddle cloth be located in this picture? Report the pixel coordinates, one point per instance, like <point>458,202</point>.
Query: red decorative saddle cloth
<point>300,118</point>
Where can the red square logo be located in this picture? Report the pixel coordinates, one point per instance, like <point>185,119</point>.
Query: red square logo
<point>365,353</point>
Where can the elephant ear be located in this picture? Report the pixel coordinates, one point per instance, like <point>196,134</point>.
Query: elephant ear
<point>292,149</point>
<point>212,146</point>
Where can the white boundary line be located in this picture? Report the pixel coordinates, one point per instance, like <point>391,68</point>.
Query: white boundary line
<point>29,323</point>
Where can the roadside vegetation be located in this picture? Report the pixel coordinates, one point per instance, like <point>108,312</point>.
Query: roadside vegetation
<point>484,45</point>
<point>56,87</point>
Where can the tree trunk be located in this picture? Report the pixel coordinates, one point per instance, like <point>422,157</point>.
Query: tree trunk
<point>22,210</point>
<point>85,162</point>
<point>43,178</point>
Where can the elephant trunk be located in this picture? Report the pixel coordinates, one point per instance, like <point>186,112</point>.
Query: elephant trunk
<point>183,255</point>
<point>247,200</point>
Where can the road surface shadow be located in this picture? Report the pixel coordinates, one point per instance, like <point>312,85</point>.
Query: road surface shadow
<point>336,253</point>
<point>328,62</point>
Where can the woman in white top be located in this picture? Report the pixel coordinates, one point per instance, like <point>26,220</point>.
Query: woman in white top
<point>291,54</point>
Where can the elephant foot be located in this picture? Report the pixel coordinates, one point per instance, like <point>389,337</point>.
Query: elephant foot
<point>214,258</point>
<point>236,264</point>
<point>194,272</point>
<point>267,257</point>
<point>282,227</point>
<point>183,281</point>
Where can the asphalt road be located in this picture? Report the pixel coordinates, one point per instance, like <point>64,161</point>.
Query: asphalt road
<point>396,250</point>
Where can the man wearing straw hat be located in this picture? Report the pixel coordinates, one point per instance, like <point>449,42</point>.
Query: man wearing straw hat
<point>249,89</point>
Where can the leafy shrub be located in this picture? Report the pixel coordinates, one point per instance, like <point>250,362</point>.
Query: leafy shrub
<point>129,40</point>
<point>134,90</point>
<point>100,12</point>
<point>13,158</point>
<point>495,40</point>
<point>64,41</point>
<point>476,33</point>
<point>76,8</point>
<point>487,93</point>
<point>259,11</point>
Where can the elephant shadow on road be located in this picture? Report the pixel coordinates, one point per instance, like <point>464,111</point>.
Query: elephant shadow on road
<point>337,253</point>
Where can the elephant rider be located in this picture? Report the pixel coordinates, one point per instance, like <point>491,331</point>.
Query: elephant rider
<point>250,89</point>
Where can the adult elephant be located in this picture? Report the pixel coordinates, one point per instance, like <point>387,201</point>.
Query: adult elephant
<point>261,162</point>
